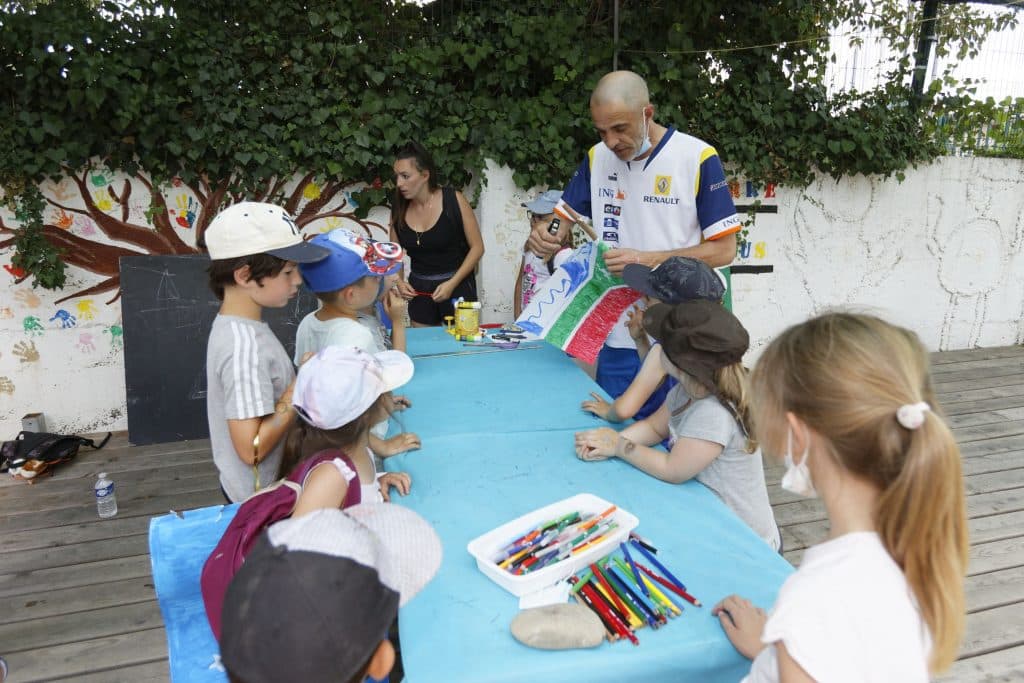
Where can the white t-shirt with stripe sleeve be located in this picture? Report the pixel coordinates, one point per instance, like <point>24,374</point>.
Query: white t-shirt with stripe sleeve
<point>247,369</point>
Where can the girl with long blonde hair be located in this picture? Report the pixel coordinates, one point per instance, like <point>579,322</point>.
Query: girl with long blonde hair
<point>882,599</point>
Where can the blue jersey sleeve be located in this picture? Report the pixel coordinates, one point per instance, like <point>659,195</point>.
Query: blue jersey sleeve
<point>715,209</point>
<point>577,194</point>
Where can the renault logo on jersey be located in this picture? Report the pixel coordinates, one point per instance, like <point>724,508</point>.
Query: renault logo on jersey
<point>662,185</point>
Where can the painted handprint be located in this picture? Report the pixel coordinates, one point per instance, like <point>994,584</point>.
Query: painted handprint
<point>186,210</point>
<point>85,226</point>
<point>63,220</point>
<point>31,325</point>
<point>311,191</point>
<point>86,309</point>
<point>6,313</point>
<point>66,319</point>
<point>28,298</point>
<point>102,201</point>
<point>86,343</point>
<point>6,385</point>
<point>26,351</point>
<point>100,179</point>
<point>116,335</point>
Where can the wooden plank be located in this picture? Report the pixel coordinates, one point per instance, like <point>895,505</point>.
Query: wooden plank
<point>994,589</point>
<point>986,417</point>
<point>119,455</point>
<point>97,530</point>
<point>132,506</point>
<point>152,672</point>
<point>48,603</point>
<point>979,505</point>
<point>88,656</point>
<point>51,493</point>
<point>981,529</point>
<point>978,464</point>
<point>75,553</point>
<point>72,628</point>
<point>978,364</point>
<point>1012,394</point>
<point>986,446</point>
<point>1011,368</point>
<point>1001,665</point>
<point>995,555</point>
<point>999,480</point>
<point>992,431</point>
<point>958,355</point>
<point>993,629</point>
<point>946,387</point>
<point>77,575</point>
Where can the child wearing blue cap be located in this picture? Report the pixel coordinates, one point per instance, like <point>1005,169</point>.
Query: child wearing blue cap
<point>348,281</point>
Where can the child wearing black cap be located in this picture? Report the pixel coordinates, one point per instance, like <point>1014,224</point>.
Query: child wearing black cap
<point>705,416</point>
<point>315,597</point>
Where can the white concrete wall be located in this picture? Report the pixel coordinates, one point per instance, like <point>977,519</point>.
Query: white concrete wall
<point>941,253</point>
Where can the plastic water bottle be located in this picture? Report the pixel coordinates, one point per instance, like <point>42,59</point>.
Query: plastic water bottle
<point>106,501</point>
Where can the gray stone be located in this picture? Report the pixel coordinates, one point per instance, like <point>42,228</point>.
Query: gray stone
<point>558,627</point>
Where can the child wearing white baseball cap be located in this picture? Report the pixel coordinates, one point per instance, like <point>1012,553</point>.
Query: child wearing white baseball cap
<point>255,249</point>
<point>340,393</point>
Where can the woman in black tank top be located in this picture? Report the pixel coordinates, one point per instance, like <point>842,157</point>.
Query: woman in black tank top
<point>437,228</point>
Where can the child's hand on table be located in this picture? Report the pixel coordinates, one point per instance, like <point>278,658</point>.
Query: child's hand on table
<point>596,444</point>
<point>400,480</point>
<point>743,623</point>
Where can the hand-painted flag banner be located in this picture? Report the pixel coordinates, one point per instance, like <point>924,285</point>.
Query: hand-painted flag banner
<point>577,306</point>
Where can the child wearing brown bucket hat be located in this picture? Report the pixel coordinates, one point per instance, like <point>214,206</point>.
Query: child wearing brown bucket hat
<point>704,417</point>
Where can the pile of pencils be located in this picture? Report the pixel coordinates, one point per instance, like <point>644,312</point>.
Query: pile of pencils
<point>627,595</point>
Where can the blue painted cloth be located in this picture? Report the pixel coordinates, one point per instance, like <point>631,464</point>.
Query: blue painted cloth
<point>494,448</point>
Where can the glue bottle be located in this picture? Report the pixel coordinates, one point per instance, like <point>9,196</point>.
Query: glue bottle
<point>106,501</point>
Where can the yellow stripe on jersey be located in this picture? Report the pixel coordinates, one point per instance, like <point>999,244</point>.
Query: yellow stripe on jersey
<point>590,156</point>
<point>704,156</point>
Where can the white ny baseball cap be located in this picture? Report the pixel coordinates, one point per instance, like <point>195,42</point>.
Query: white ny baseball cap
<point>339,383</point>
<point>248,228</point>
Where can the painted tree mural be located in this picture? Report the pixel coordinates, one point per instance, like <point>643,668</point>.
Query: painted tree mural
<point>111,211</point>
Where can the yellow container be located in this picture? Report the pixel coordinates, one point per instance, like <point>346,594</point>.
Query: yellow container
<point>466,320</point>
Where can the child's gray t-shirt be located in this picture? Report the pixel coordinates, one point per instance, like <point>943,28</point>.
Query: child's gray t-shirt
<point>736,476</point>
<point>247,370</point>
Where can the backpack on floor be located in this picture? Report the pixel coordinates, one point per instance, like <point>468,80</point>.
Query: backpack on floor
<point>32,454</point>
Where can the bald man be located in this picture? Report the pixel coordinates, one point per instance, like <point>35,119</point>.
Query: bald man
<point>651,192</point>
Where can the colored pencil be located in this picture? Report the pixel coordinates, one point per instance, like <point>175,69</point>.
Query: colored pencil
<point>681,592</point>
<point>626,593</point>
<point>609,630</point>
<point>628,617</point>
<point>636,573</point>
<point>599,577</point>
<point>622,572</point>
<point>666,600</point>
<point>659,565</point>
<point>620,627</point>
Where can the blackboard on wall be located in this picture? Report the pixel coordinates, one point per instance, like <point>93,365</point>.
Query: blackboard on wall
<point>167,309</point>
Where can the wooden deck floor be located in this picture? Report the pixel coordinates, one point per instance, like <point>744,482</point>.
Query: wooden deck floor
<point>77,600</point>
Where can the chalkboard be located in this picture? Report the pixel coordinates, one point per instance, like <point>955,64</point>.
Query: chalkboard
<point>167,309</point>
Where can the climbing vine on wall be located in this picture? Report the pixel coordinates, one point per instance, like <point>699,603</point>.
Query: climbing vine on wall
<point>236,96</point>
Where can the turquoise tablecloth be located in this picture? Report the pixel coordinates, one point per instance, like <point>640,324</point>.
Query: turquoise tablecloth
<point>497,443</point>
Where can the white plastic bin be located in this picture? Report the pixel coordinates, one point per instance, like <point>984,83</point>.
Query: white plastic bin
<point>485,548</point>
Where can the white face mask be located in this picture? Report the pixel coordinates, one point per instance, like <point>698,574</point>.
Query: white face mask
<point>797,478</point>
<point>645,143</point>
